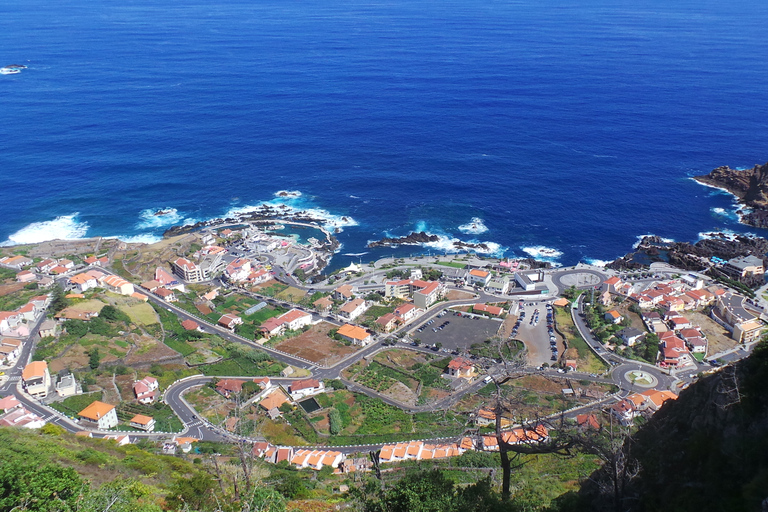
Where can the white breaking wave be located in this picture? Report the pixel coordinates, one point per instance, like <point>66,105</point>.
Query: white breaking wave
<point>474,226</point>
<point>288,193</point>
<point>541,252</point>
<point>143,238</point>
<point>721,189</point>
<point>289,204</point>
<point>149,218</point>
<point>726,234</point>
<point>640,239</point>
<point>597,263</point>
<point>446,244</point>
<point>66,227</point>
<point>355,254</point>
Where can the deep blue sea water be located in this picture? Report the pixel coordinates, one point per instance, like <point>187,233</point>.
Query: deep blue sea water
<point>556,124</point>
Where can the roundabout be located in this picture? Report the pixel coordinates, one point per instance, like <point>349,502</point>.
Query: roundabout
<point>641,378</point>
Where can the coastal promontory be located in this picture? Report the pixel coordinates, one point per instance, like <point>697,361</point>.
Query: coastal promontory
<point>750,186</point>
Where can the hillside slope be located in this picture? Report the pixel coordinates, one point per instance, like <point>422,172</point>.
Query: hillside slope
<point>706,451</point>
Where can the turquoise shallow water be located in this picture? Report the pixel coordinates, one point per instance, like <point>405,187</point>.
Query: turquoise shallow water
<point>524,124</point>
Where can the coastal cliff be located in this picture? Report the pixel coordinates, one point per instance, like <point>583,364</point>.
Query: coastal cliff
<point>749,186</point>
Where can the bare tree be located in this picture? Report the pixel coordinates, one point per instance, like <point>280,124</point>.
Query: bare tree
<point>534,436</point>
<point>612,444</point>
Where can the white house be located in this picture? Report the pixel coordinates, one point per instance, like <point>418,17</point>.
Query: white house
<point>230,321</point>
<point>478,277</point>
<point>353,309</point>
<point>99,415</point>
<point>36,379</point>
<point>295,319</point>
<point>630,335</point>
<point>306,387</point>
<point>145,390</point>
<point>117,285</point>
<point>82,282</point>
<point>406,312</point>
<point>142,422</point>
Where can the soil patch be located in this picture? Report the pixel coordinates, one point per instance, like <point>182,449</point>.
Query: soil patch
<point>719,339</point>
<point>459,295</point>
<point>315,345</point>
<point>7,289</point>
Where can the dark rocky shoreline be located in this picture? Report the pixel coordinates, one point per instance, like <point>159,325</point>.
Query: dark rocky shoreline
<point>750,186</point>
<point>689,256</point>
<point>421,238</point>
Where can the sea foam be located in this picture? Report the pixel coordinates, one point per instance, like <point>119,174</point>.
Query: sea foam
<point>640,239</point>
<point>148,219</point>
<point>143,238</point>
<point>474,226</point>
<point>65,227</point>
<point>540,252</point>
<point>291,202</point>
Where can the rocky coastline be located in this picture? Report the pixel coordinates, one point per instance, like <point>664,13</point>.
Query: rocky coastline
<point>689,256</point>
<point>265,214</point>
<point>420,238</point>
<point>750,187</point>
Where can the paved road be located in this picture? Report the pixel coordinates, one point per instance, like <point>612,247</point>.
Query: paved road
<point>197,427</point>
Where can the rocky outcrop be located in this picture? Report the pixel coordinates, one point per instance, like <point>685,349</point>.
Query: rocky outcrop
<point>691,256</point>
<point>411,239</point>
<point>749,186</point>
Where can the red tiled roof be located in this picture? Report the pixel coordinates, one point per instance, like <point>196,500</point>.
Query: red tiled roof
<point>189,325</point>
<point>298,385</point>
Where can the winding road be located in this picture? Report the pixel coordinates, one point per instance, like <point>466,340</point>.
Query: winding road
<point>197,427</point>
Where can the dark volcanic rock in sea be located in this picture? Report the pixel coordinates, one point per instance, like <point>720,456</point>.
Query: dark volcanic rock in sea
<point>750,186</point>
<point>466,245</point>
<point>411,239</point>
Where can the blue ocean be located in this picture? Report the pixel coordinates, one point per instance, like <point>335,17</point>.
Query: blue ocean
<point>557,129</point>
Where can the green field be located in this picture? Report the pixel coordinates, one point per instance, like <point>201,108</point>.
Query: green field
<point>451,264</point>
<point>140,314</point>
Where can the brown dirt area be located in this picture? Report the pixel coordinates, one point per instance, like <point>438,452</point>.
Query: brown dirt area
<point>209,404</point>
<point>72,360</point>
<point>125,385</point>
<point>148,350</point>
<point>315,345</point>
<point>459,295</point>
<point>507,325</point>
<point>719,339</point>
<point>400,392</point>
<point>402,358</point>
<point>434,395</point>
<point>266,284</point>
<point>635,320</point>
<point>7,289</point>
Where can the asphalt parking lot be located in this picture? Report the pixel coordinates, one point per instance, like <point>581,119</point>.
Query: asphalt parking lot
<point>460,333</point>
<point>536,336</point>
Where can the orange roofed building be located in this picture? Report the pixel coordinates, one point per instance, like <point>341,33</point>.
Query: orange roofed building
<point>357,335</point>
<point>99,415</point>
<point>36,379</point>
